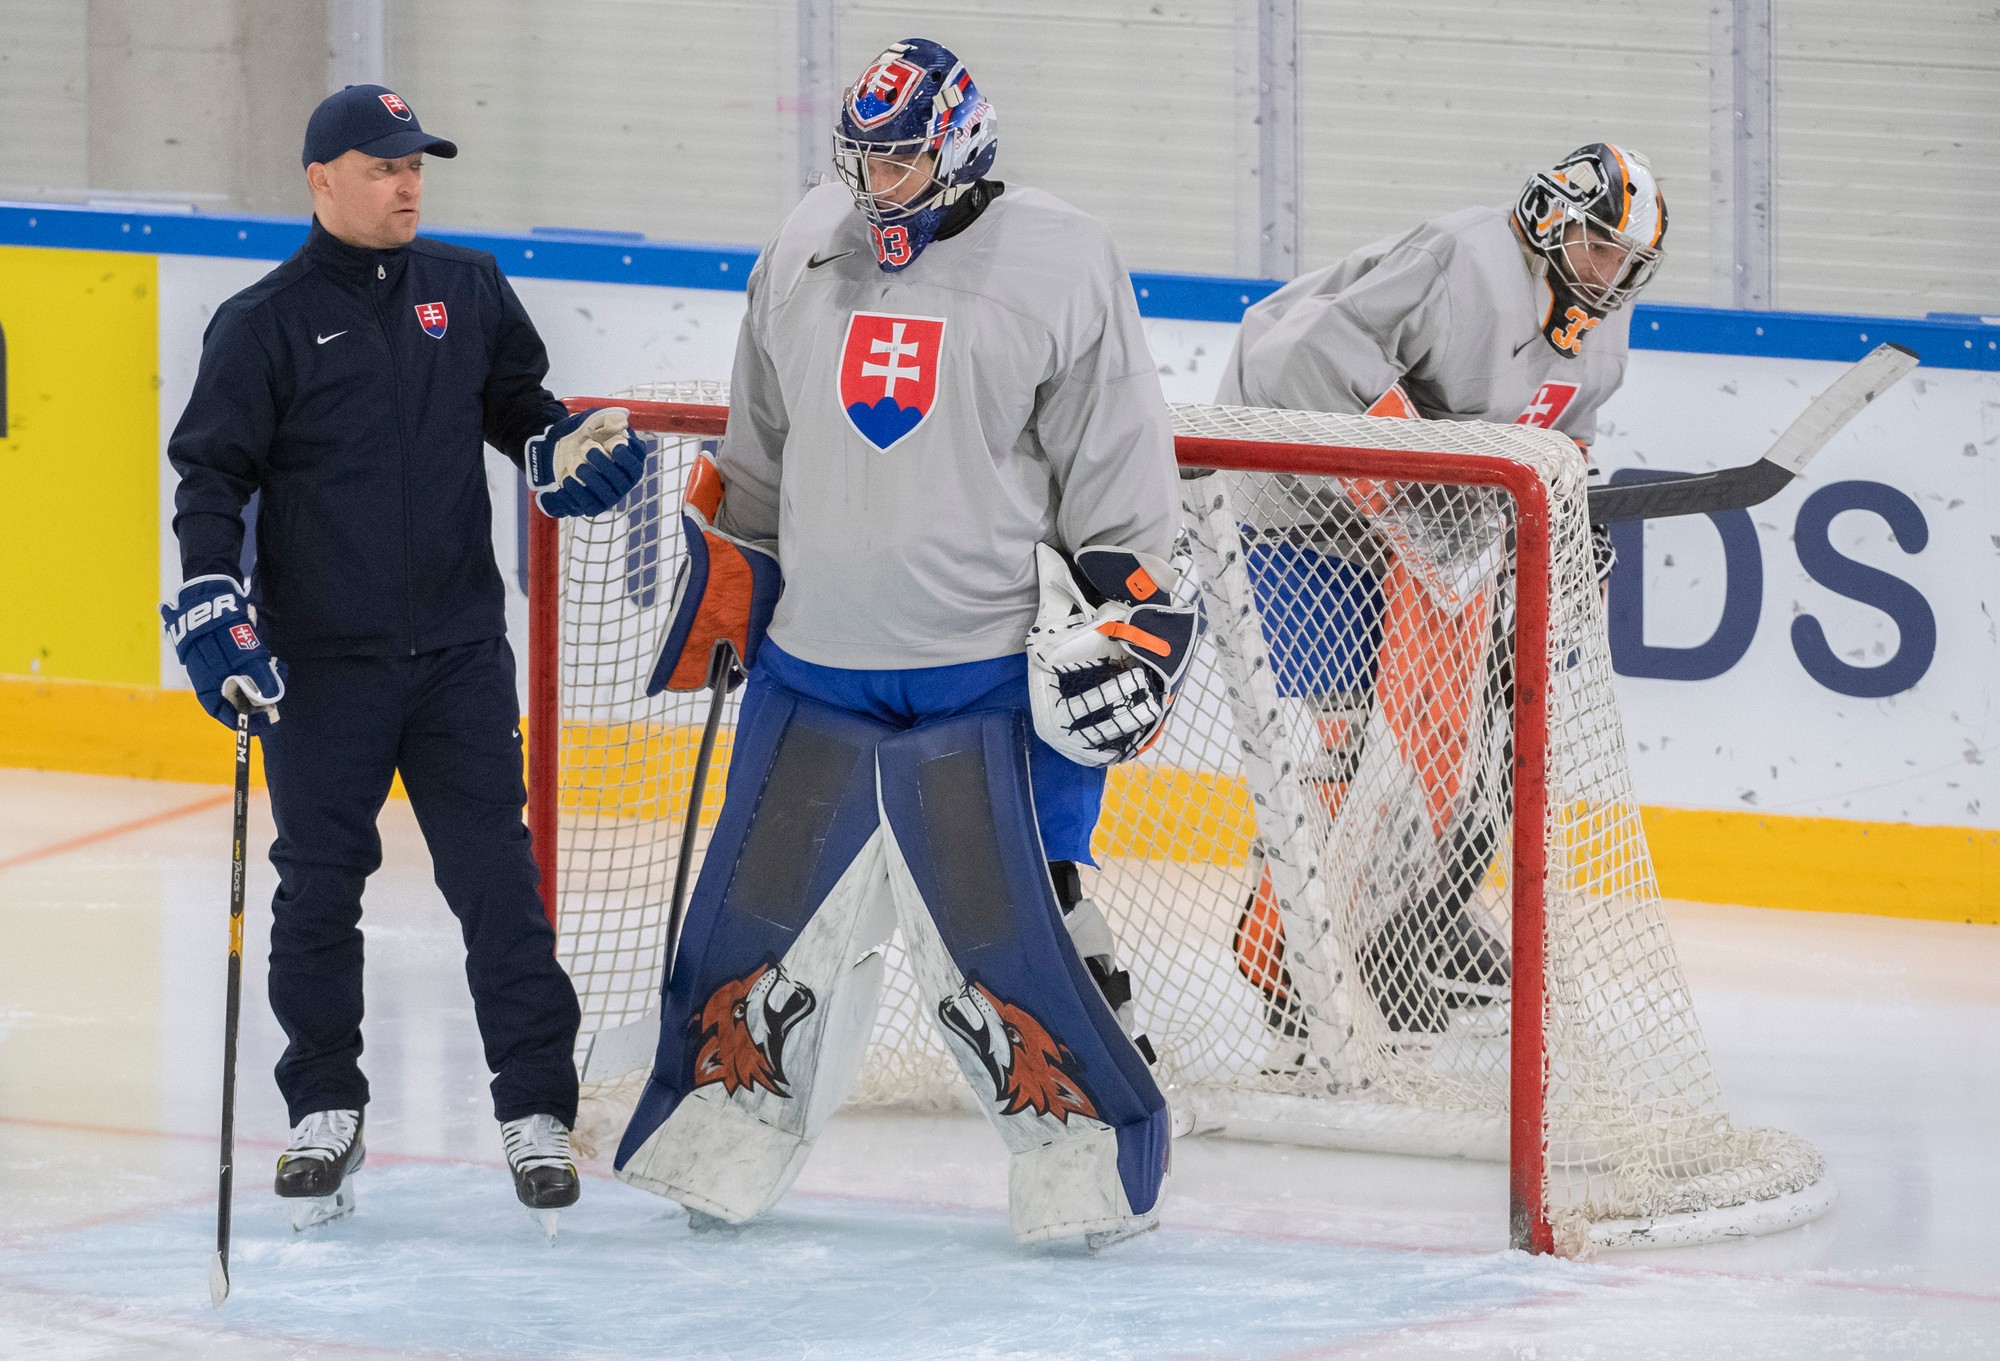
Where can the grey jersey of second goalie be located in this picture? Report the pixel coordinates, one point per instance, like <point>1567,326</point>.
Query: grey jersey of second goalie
<point>1452,310</point>
<point>909,438</point>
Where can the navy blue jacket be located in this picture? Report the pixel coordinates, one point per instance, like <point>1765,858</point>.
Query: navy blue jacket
<point>359,410</point>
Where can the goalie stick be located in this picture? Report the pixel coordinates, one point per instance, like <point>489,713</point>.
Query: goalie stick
<point>1753,483</point>
<point>616,1052</point>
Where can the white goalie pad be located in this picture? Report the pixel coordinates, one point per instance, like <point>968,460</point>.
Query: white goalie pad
<point>996,968</point>
<point>776,980</point>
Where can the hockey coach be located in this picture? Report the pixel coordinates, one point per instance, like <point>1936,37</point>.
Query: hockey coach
<point>354,387</point>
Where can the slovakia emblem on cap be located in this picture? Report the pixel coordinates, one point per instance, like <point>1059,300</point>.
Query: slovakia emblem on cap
<point>883,89</point>
<point>394,104</point>
<point>888,374</point>
<point>430,316</point>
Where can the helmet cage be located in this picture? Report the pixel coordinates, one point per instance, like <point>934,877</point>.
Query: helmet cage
<point>853,157</point>
<point>1575,254</point>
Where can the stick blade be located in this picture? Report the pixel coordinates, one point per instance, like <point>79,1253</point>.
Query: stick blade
<point>624,1049</point>
<point>218,1281</point>
<point>1844,399</point>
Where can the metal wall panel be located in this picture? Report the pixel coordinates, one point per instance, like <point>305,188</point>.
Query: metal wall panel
<point>641,115</point>
<point>44,113</point>
<point>1415,110</point>
<point>1127,109</point>
<point>676,118</point>
<point>1888,154</point>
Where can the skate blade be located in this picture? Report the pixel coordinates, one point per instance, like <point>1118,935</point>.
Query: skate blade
<point>318,1210</point>
<point>546,1221</point>
<point>700,1221</point>
<point>1482,1023</point>
<point>1104,1238</point>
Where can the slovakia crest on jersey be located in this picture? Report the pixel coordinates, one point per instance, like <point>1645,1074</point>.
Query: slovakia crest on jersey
<point>883,89</point>
<point>431,316</point>
<point>888,374</point>
<point>1546,407</point>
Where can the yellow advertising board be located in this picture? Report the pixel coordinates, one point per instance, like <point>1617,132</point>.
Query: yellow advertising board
<point>79,454</point>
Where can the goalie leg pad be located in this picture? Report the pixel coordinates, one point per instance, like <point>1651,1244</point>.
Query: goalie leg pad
<point>775,983</point>
<point>1319,607</point>
<point>1070,1094</point>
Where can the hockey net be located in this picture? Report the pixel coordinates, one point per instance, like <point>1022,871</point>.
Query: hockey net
<point>1381,884</point>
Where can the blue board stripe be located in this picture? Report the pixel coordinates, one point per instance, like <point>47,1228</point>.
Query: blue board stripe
<point>1943,340</point>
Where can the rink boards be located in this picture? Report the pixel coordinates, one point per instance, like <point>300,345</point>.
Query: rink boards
<point>1804,686</point>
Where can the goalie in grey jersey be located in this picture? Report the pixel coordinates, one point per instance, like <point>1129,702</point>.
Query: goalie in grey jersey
<point>1491,313</point>
<point>946,425</point>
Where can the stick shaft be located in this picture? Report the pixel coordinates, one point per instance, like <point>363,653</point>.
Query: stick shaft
<point>720,663</point>
<point>1755,483</point>
<point>233,1007</point>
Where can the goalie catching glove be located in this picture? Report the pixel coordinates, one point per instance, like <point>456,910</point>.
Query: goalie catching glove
<point>1107,654</point>
<point>726,592</point>
<point>585,463</point>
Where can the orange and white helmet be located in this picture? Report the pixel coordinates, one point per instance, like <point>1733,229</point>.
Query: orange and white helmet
<point>1613,194</point>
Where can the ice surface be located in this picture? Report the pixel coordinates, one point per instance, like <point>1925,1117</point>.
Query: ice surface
<point>440,1258</point>
<point>1879,1040</point>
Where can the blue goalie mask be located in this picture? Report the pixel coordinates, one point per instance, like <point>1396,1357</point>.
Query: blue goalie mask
<point>915,134</point>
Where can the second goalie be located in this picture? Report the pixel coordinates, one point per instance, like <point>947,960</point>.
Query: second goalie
<point>946,425</point>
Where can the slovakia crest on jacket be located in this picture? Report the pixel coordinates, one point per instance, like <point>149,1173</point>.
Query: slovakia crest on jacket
<point>432,317</point>
<point>888,374</point>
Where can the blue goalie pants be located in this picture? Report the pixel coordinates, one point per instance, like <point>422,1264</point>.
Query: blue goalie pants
<point>1068,796</point>
<point>448,721</point>
<point>913,801</point>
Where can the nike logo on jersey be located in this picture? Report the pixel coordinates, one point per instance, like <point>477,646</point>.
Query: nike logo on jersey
<point>335,336</point>
<point>819,260</point>
<point>1524,345</point>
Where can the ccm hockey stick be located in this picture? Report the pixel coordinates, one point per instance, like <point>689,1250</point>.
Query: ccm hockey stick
<point>614,1053</point>
<point>218,1267</point>
<point>1735,488</point>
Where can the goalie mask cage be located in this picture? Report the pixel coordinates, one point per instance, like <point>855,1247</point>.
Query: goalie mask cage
<point>1381,884</point>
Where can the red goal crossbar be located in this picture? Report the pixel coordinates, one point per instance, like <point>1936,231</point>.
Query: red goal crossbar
<point>1529,1227</point>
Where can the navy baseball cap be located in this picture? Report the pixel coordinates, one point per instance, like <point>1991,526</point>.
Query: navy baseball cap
<point>371,119</point>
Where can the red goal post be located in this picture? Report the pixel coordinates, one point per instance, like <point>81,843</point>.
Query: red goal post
<point>1513,476</point>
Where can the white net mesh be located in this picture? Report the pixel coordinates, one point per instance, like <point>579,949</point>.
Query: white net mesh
<point>1309,874</point>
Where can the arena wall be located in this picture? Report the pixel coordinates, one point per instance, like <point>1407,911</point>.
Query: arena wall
<point>1807,687</point>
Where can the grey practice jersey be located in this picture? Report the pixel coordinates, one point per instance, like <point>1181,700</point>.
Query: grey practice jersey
<point>909,438</point>
<point>1452,310</point>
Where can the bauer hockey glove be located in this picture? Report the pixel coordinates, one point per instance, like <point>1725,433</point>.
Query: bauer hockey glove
<point>208,621</point>
<point>1106,656</point>
<point>585,463</point>
<point>726,592</point>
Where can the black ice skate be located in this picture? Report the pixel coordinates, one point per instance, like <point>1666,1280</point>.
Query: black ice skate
<point>325,1150</point>
<point>544,1171</point>
<point>1473,972</point>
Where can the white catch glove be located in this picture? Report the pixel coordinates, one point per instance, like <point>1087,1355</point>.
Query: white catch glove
<point>1101,677</point>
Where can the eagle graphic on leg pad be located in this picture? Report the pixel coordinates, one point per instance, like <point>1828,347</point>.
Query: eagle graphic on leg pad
<point>1028,1066</point>
<point>744,1026</point>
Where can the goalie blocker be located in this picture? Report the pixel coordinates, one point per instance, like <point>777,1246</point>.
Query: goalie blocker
<point>838,830</point>
<point>727,590</point>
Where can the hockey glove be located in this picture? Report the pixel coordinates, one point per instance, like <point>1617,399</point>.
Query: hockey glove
<point>726,592</point>
<point>1106,656</point>
<point>209,624</point>
<point>584,463</point>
